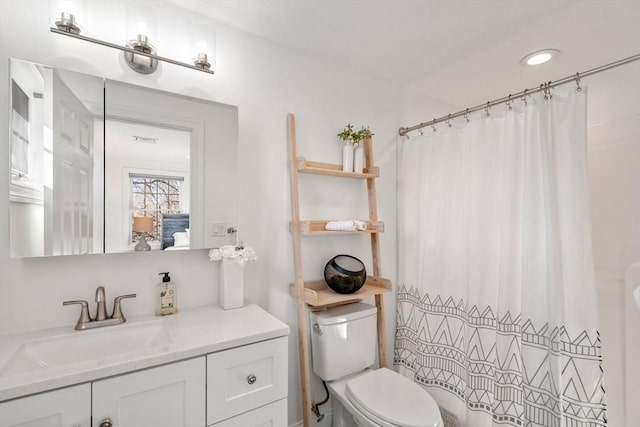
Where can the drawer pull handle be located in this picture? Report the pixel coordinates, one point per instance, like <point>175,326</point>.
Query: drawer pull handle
<point>106,423</point>
<point>251,379</point>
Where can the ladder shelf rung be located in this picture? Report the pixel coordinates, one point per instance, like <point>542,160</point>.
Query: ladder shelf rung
<point>318,294</point>
<point>317,227</point>
<point>319,168</point>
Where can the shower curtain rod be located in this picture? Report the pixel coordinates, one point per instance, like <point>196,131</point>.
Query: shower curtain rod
<point>521,95</point>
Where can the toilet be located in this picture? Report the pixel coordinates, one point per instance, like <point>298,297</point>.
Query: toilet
<point>343,348</point>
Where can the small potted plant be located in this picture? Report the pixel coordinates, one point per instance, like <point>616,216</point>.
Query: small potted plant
<point>347,134</point>
<point>348,137</point>
<point>352,152</point>
<point>358,154</point>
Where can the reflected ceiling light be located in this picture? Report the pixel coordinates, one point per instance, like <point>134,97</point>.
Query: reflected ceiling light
<point>539,57</point>
<point>145,139</point>
<point>134,49</point>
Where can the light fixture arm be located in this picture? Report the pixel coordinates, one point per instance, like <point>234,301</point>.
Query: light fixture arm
<point>130,50</point>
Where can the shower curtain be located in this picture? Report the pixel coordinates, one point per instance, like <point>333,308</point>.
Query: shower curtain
<point>497,314</point>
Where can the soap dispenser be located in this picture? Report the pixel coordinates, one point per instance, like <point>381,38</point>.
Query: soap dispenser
<point>166,296</point>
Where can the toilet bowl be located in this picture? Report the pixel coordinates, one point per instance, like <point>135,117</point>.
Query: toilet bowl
<point>343,347</point>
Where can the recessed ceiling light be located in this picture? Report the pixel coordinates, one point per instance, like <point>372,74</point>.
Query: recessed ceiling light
<point>539,57</point>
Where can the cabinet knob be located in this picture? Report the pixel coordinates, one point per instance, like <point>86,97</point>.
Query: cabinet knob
<point>106,423</point>
<point>251,379</point>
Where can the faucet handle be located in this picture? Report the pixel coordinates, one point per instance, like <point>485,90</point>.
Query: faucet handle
<point>84,313</point>
<point>117,307</point>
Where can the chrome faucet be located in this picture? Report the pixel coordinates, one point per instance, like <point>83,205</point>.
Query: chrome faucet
<point>101,319</point>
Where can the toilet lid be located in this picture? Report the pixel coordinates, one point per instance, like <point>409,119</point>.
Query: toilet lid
<point>393,398</point>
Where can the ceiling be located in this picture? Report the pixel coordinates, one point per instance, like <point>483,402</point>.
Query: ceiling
<point>462,53</point>
<point>167,145</point>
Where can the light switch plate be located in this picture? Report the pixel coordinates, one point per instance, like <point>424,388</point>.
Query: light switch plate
<point>218,229</point>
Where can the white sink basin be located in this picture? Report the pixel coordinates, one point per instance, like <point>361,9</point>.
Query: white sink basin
<point>89,348</point>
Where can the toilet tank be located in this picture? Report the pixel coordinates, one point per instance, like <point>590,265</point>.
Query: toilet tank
<point>343,340</point>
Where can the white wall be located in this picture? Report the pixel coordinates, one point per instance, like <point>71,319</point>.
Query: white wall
<point>266,82</point>
<point>615,215</point>
<point>614,174</point>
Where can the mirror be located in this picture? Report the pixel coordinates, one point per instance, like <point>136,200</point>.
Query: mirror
<point>102,166</point>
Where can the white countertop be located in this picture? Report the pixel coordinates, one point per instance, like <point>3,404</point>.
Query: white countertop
<point>189,333</point>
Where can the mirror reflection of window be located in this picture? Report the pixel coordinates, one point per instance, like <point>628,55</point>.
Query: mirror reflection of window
<point>19,132</point>
<point>55,123</point>
<point>154,196</point>
<point>152,164</point>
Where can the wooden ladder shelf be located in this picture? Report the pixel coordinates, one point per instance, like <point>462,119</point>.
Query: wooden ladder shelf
<point>316,294</point>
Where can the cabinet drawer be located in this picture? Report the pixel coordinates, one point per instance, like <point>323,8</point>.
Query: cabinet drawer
<point>271,415</point>
<point>244,378</point>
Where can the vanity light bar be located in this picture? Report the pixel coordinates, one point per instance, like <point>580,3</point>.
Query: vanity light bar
<point>130,50</point>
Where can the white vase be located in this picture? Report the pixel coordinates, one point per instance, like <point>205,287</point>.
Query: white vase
<point>347,158</point>
<point>358,160</point>
<point>231,284</point>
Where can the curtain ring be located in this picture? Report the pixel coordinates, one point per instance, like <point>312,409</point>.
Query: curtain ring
<point>448,121</point>
<point>509,103</point>
<point>579,88</point>
<point>433,124</point>
<point>546,89</point>
<point>486,109</point>
<point>524,97</point>
<point>466,115</point>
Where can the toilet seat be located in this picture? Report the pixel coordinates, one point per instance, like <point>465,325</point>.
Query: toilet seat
<point>391,400</point>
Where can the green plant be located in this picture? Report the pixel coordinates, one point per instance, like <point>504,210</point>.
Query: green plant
<point>351,137</point>
<point>364,133</point>
<point>347,134</point>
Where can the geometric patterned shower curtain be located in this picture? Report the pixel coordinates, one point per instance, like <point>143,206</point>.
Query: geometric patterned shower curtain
<point>497,315</point>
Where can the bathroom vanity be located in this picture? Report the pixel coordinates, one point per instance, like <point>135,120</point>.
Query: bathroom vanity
<point>202,367</point>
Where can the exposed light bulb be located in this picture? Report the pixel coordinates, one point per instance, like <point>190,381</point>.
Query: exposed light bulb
<point>202,46</point>
<point>142,29</point>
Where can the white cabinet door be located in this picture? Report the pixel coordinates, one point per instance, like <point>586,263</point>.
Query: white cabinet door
<point>68,407</point>
<point>244,378</point>
<point>272,415</point>
<point>168,396</point>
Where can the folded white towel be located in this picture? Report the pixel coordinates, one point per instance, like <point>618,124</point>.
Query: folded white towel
<point>360,225</point>
<point>347,225</point>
